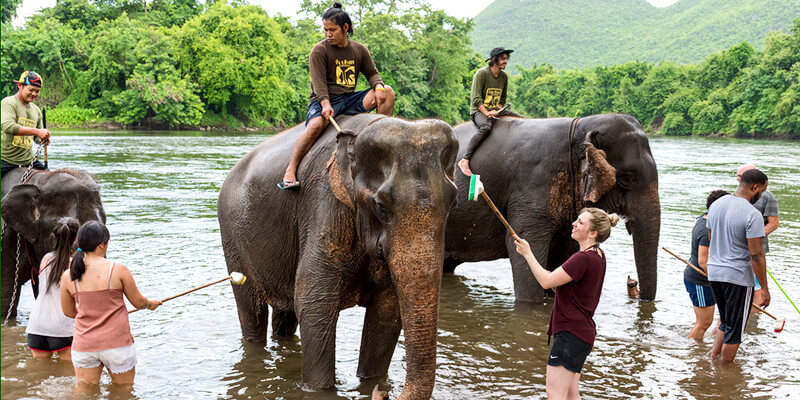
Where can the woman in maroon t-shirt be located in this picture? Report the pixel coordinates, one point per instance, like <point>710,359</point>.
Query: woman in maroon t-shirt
<point>577,284</point>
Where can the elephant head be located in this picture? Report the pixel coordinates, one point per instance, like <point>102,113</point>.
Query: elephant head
<point>398,178</point>
<point>32,209</point>
<point>619,175</point>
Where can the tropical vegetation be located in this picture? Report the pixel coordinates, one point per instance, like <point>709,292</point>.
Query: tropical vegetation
<point>183,64</point>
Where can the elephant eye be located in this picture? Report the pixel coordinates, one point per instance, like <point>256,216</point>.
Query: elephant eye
<point>627,179</point>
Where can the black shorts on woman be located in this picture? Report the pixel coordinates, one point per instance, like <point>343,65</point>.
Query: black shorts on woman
<point>48,343</point>
<point>569,352</point>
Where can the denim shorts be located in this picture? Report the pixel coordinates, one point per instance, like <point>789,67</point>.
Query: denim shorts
<point>118,360</point>
<point>344,104</point>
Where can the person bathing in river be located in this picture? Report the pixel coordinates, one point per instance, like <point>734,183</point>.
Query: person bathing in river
<point>49,330</point>
<point>767,205</point>
<point>696,284</point>
<point>577,284</point>
<point>488,100</point>
<point>334,65</point>
<point>21,120</point>
<point>735,254</point>
<point>91,292</point>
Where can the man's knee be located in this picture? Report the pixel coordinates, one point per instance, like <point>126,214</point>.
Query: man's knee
<point>389,94</point>
<point>315,127</point>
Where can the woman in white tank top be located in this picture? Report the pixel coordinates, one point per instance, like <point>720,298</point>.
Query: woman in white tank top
<point>49,330</point>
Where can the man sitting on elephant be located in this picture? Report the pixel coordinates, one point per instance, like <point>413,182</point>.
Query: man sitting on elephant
<point>334,65</point>
<point>21,121</point>
<point>489,92</point>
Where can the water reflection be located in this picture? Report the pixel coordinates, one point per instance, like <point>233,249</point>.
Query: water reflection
<point>160,195</point>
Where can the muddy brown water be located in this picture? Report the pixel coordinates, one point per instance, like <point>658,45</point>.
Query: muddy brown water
<point>160,193</point>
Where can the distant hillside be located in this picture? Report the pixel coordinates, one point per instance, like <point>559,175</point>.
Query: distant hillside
<point>585,33</point>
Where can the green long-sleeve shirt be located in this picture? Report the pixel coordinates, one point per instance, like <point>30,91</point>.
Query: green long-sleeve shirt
<point>488,90</point>
<point>16,149</point>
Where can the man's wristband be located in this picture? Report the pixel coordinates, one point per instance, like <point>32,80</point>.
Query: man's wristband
<point>381,88</point>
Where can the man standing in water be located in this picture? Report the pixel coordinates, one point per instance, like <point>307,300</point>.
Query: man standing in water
<point>489,92</point>
<point>21,121</point>
<point>334,65</point>
<point>767,205</point>
<point>735,253</point>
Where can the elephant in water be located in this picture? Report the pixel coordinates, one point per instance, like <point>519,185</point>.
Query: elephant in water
<point>366,228</point>
<point>30,210</point>
<point>540,173</point>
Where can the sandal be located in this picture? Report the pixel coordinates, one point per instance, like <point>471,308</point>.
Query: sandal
<point>289,185</point>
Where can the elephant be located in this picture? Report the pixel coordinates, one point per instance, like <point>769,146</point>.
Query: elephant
<point>540,173</point>
<point>30,210</point>
<point>366,228</point>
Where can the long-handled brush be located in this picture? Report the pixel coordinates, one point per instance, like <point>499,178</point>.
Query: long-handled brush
<point>476,189</point>
<point>235,277</point>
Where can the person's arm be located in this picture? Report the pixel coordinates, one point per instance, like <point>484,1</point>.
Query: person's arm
<point>504,94</point>
<point>771,226</point>
<point>369,70</point>
<point>546,279</point>
<point>132,292</point>
<point>67,301</point>
<point>318,70</point>
<point>702,258</point>
<point>759,263</point>
<point>9,125</point>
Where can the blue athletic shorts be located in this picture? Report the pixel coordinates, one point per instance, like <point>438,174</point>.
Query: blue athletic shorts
<point>345,104</point>
<point>702,296</point>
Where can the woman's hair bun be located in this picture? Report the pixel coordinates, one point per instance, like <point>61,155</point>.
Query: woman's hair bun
<point>336,5</point>
<point>613,219</point>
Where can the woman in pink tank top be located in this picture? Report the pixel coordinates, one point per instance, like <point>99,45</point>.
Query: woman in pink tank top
<point>91,292</point>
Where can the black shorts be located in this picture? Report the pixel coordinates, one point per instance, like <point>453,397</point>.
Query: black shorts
<point>569,352</point>
<point>48,343</point>
<point>734,303</point>
<point>343,104</point>
<point>7,167</point>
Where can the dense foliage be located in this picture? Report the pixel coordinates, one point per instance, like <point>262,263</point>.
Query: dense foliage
<point>585,33</point>
<point>173,63</point>
<point>738,91</point>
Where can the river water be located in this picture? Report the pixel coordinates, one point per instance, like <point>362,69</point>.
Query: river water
<point>160,193</point>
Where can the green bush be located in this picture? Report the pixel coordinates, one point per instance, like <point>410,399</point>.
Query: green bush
<point>69,116</point>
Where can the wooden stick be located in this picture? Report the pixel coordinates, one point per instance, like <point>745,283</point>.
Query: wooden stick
<point>706,275</point>
<point>499,215</point>
<point>186,292</point>
<point>335,125</point>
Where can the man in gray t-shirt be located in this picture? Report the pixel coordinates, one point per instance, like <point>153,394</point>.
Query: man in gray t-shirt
<point>735,254</point>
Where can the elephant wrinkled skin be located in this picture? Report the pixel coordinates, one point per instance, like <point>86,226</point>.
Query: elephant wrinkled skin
<point>30,210</point>
<point>366,228</point>
<point>540,172</point>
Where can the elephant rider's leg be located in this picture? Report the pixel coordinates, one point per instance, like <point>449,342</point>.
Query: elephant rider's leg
<point>302,145</point>
<point>386,107</point>
<point>382,325</point>
<point>316,302</point>
<point>484,125</point>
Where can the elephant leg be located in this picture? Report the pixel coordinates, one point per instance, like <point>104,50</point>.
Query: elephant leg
<point>450,265</point>
<point>316,304</point>
<point>526,288</point>
<point>284,323</point>
<point>253,313</point>
<point>382,325</point>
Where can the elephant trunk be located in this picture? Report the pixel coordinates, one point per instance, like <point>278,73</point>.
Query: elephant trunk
<point>645,227</point>
<point>415,261</point>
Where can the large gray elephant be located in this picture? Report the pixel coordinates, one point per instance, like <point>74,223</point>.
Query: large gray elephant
<point>366,228</point>
<point>540,173</point>
<point>30,210</point>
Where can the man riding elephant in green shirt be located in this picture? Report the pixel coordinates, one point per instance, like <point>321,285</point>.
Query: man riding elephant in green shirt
<point>21,120</point>
<point>488,102</point>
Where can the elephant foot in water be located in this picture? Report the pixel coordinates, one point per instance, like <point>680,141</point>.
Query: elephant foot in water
<point>633,289</point>
<point>284,323</point>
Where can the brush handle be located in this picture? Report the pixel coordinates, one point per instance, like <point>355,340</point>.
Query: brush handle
<point>186,292</point>
<point>499,215</point>
<point>335,125</point>
<point>706,275</point>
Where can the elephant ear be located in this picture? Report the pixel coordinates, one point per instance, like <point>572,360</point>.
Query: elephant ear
<point>598,175</point>
<point>20,208</point>
<point>339,176</point>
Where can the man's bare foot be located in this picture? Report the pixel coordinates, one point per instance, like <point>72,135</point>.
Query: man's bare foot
<point>464,166</point>
<point>633,291</point>
<point>379,395</point>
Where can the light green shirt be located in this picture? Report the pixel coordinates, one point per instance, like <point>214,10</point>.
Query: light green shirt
<point>17,149</point>
<point>488,90</point>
